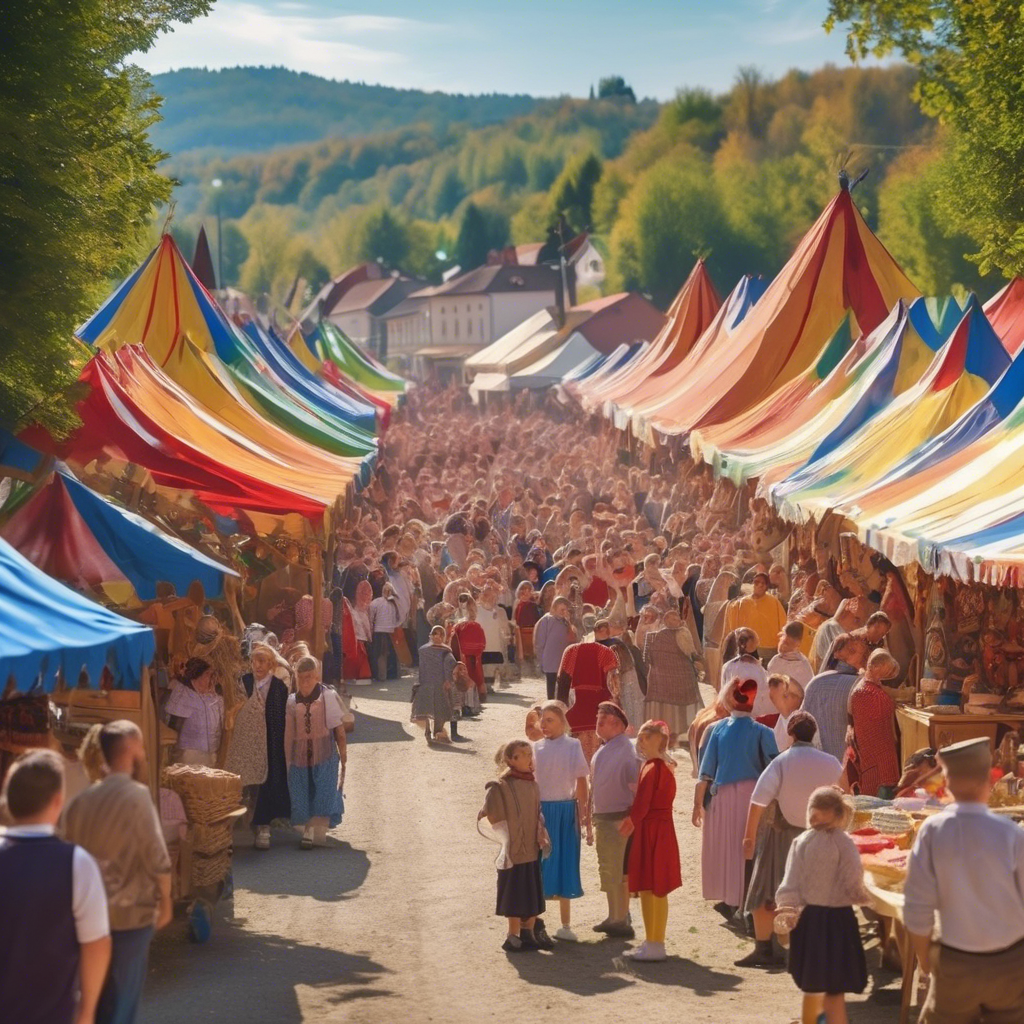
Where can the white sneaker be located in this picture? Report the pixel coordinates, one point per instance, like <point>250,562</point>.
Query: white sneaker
<point>566,934</point>
<point>262,841</point>
<point>363,682</point>
<point>648,952</point>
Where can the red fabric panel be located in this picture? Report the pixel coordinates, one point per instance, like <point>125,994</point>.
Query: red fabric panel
<point>51,534</point>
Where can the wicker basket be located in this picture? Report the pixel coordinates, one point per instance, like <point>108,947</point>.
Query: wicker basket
<point>210,870</point>
<point>208,794</point>
<point>212,839</point>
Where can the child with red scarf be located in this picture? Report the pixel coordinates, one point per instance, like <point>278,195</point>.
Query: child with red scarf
<point>512,806</point>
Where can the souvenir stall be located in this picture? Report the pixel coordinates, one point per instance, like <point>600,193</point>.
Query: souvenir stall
<point>65,664</point>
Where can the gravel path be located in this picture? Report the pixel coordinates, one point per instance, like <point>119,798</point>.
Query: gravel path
<point>393,921</point>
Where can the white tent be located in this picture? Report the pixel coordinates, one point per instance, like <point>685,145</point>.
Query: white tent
<point>550,369</point>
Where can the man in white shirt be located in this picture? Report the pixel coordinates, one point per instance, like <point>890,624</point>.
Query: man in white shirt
<point>967,867</point>
<point>790,661</point>
<point>785,785</point>
<point>54,927</point>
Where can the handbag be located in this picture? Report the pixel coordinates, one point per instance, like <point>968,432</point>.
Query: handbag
<point>247,753</point>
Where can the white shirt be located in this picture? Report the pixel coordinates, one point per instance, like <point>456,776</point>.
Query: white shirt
<point>751,670</point>
<point>262,685</point>
<point>557,764</point>
<point>88,897</point>
<point>495,626</point>
<point>782,738</point>
<point>794,665</point>
<point>967,866</point>
<point>792,777</point>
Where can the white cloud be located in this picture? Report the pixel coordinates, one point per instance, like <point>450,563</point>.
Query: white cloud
<point>290,34</point>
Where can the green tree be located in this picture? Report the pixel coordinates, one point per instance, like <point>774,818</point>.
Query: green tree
<point>673,215</point>
<point>913,226</point>
<point>572,194</point>
<point>268,232</point>
<point>615,87</point>
<point>384,236</point>
<point>234,251</point>
<point>79,181</point>
<point>969,58</point>
<point>473,243</point>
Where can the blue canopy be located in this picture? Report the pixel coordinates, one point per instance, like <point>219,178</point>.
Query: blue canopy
<point>44,627</point>
<point>142,552</point>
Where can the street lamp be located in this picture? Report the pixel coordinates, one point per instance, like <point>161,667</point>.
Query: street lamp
<point>217,184</point>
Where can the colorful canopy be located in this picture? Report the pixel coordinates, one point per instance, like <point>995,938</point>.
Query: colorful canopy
<point>326,341</point>
<point>165,309</point>
<point>963,370</point>
<point>839,268</point>
<point>80,538</point>
<point>1005,312</point>
<point>46,628</point>
<point>692,310</point>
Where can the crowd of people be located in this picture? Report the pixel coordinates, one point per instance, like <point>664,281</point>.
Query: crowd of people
<point>649,612</point>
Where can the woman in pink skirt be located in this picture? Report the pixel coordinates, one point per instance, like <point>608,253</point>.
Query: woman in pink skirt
<point>735,753</point>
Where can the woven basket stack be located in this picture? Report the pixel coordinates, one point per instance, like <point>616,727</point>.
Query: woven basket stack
<point>210,796</point>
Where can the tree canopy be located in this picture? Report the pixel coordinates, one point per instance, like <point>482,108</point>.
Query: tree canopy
<point>79,181</point>
<point>969,58</point>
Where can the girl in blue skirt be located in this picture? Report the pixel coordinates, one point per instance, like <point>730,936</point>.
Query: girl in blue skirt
<point>561,771</point>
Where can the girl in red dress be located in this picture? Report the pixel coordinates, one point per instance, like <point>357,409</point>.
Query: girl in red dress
<point>653,855</point>
<point>468,643</point>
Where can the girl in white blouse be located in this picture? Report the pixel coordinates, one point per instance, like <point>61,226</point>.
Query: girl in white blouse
<point>824,881</point>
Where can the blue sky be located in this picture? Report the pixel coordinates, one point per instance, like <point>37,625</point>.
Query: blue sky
<point>542,47</point>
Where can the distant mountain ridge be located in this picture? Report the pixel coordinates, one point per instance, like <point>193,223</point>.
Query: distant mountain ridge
<point>254,109</point>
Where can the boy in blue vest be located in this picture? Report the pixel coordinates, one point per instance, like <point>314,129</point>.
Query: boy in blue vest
<point>54,928</point>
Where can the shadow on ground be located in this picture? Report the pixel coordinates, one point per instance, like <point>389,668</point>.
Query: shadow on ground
<point>597,968</point>
<point>272,967</point>
<point>328,873</point>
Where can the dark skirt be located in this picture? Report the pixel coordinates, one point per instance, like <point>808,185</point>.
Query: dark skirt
<point>774,838</point>
<point>825,951</point>
<point>520,891</point>
<point>273,799</point>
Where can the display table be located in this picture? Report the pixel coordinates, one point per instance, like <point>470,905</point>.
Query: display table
<point>924,727</point>
<point>888,906</point>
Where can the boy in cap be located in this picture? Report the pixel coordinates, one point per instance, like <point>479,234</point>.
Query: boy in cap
<point>614,772</point>
<point>967,866</point>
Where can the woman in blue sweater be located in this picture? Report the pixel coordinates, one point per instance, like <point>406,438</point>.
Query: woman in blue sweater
<point>737,750</point>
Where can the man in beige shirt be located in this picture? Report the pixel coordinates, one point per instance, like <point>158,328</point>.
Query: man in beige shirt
<point>116,821</point>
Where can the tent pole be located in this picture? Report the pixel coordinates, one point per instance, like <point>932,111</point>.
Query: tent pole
<point>316,564</point>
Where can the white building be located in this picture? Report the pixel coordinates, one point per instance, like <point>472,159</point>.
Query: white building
<point>467,313</point>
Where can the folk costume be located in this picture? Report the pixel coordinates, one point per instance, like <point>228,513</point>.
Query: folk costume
<point>313,759</point>
<point>558,764</point>
<point>514,799</point>
<point>736,752</point>
<point>272,799</point>
<point>437,663</point>
<point>673,695</point>
<point>583,684</point>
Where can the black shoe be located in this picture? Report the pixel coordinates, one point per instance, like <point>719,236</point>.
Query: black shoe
<point>726,910</point>
<point>513,945</point>
<point>620,931</point>
<point>602,927</point>
<point>540,936</point>
<point>529,941</point>
<point>762,955</point>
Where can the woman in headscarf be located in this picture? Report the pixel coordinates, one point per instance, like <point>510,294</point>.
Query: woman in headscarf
<point>736,751</point>
<point>356,636</point>
<point>316,752</point>
<point>267,687</point>
<point>431,700</point>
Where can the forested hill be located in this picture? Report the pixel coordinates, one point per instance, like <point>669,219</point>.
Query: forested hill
<point>250,109</point>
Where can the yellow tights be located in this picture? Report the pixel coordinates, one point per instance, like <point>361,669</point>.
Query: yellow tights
<point>655,911</point>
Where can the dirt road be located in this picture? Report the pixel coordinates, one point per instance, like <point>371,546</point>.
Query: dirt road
<point>393,921</point>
